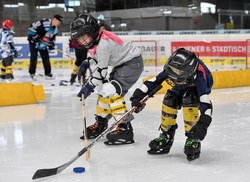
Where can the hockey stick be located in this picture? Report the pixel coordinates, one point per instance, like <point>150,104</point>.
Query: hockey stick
<point>65,53</point>
<point>53,171</point>
<point>68,55</point>
<point>84,123</point>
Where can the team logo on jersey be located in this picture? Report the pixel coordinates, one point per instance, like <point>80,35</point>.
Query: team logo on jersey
<point>48,34</point>
<point>45,39</point>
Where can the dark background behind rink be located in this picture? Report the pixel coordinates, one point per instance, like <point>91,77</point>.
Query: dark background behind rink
<point>132,15</point>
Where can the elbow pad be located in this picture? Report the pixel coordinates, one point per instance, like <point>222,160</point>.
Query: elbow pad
<point>206,106</point>
<point>31,31</point>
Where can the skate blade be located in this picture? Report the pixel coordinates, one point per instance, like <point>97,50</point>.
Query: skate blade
<point>192,157</point>
<point>157,152</point>
<point>49,78</point>
<point>119,142</point>
<point>89,137</point>
<point>38,77</point>
<point>8,81</point>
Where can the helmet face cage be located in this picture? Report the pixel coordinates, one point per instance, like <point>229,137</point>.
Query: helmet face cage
<point>76,43</point>
<point>85,25</point>
<point>181,68</point>
<point>8,24</point>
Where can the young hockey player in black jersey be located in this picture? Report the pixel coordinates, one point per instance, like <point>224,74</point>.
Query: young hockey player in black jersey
<point>192,82</point>
<point>107,49</point>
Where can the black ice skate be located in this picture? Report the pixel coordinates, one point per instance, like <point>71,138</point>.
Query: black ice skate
<point>9,76</point>
<point>6,78</point>
<point>163,143</point>
<point>72,78</point>
<point>33,77</point>
<point>123,134</point>
<point>96,129</point>
<point>49,77</point>
<point>192,149</point>
<point>2,76</point>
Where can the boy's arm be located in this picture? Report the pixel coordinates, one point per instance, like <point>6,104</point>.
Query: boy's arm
<point>144,90</point>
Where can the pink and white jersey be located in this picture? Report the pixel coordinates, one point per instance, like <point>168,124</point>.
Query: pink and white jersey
<point>111,51</point>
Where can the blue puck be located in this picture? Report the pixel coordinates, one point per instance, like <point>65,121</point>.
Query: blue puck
<point>79,169</point>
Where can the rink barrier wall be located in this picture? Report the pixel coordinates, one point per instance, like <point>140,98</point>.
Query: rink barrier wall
<point>228,79</point>
<point>222,79</point>
<point>20,94</point>
<point>220,51</point>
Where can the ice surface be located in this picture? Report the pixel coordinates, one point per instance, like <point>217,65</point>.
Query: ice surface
<point>46,135</point>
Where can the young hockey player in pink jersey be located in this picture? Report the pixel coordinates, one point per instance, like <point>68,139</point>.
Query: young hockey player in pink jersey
<point>107,49</point>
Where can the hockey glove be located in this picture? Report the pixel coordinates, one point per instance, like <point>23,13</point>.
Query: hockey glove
<point>138,95</point>
<point>82,70</point>
<point>51,45</point>
<point>15,53</point>
<point>86,90</point>
<point>199,130</point>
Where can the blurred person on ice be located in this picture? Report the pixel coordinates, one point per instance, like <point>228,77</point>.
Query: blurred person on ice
<point>42,34</point>
<point>80,53</point>
<point>7,49</point>
<point>107,49</point>
<point>191,83</point>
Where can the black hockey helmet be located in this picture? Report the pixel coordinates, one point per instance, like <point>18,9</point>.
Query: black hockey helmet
<point>85,24</point>
<point>181,68</point>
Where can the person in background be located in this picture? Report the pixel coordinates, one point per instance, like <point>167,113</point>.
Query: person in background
<point>81,54</point>
<point>7,50</point>
<point>42,34</point>
<point>192,82</point>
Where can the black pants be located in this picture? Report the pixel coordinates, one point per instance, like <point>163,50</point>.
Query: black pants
<point>6,70</point>
<point>81,55</point>
<point>7,61</point>
<point>33,59</point>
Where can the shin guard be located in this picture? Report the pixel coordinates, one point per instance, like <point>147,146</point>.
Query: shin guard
<point>190,110</point>
<point>102,107</point>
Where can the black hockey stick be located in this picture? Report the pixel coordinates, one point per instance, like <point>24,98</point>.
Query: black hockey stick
<point>53,171</point>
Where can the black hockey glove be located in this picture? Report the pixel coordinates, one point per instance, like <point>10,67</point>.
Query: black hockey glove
<point>138,95</point>
<point>82,70</point>
<point>15,53</point>
<point>51,45</point>
<point>86,90</point>
<point>199,130</point>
